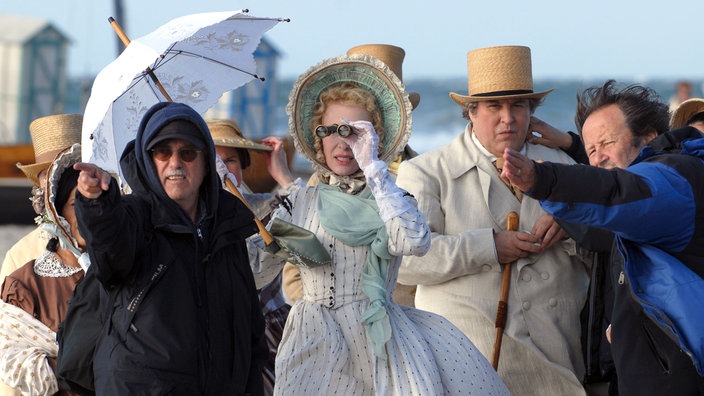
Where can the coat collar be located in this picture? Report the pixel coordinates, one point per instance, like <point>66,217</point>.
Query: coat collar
<point>465,155</point>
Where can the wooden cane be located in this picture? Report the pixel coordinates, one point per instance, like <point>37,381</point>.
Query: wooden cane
<point>502,309</point>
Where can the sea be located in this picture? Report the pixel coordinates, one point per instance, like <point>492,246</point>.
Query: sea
<point>437,119</point>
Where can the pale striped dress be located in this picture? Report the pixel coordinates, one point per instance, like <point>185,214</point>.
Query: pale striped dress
<point>324,349</point>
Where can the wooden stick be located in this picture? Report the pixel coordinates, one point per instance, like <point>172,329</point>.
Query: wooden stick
<point>120,33</point>
<point>502,309</point>
<point>266,235</point>
<point>126,41</point>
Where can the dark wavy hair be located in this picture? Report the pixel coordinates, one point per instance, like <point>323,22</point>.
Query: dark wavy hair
<point>643,108</point>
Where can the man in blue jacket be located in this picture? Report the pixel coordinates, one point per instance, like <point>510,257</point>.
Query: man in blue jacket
<point>648,189</point>
<point>186,318</point>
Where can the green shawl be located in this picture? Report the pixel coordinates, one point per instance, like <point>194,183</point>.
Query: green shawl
<point>354,220</point>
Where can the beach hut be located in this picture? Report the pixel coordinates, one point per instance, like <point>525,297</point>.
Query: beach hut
<point>32,74</point>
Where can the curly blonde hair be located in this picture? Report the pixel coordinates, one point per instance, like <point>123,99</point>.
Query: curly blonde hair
<point>347,93</point>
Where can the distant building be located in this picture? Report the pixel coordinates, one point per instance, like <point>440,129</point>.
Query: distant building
<point>32,74</point>
<point>254,104</point>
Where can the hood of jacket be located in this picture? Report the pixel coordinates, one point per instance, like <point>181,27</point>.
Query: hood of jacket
<point>142,177</point>
<point>687,140</point>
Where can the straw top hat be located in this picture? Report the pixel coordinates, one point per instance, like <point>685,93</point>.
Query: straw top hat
<point>367,72</point>
<point>392,56</point>
<point>685,111</point>
<point>227,133</point>
<point>499,73</point>
<point>51,135</point>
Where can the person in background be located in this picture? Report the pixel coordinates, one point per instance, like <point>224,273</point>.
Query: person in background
<point>350,117</point>
<point>646,186</point>
<point>393,57</point>
<point>683,91</point>
<point>172,254</point>
<point>690,112</point>
<point>35,296</point>
<point>466,202</point>
<point>235,150</point>
<point>50,135</point>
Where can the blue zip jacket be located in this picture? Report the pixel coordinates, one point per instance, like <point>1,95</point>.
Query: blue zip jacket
<point>655,208</point>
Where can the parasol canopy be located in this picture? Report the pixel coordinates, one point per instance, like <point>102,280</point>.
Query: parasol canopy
<point>196,58</point>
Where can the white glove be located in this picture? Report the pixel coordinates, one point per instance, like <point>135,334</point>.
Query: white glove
<point>223,172</point>
<point>365,147</point>
<point>364,143</point>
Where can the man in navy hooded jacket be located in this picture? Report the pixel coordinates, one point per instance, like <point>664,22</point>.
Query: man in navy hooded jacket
<point>186,317</point>
<point>648,189</point>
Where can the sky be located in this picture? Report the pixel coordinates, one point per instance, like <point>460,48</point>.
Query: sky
<point>621,39</point>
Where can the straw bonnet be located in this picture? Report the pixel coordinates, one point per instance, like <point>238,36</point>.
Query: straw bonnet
<point>685,111</point>
<point>50,135</point>
<point>226,132</point>
<point>392,56</point>
<point>498,73</point>
<point>366,71</point>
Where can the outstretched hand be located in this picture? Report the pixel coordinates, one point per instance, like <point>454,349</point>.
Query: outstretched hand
<point>519,169</point>
<point>92,180</point>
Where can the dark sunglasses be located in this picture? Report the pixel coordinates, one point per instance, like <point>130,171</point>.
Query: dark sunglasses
<point>343,130</point>
<point>164,153</point>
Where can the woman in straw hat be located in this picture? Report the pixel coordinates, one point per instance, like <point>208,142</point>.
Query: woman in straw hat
<point>350,116</point>
<point>50,135</point>
<point>35,296</point>
<point>234,150</point>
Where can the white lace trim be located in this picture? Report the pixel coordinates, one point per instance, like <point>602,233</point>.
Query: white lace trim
<point>49,265</point>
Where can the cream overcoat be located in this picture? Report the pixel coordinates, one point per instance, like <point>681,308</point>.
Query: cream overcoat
<point>465,203</point>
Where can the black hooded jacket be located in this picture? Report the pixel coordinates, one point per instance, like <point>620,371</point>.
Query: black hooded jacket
<point>186,318</point>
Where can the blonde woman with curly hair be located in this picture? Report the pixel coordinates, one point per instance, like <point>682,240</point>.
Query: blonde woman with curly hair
<point>350,117</point>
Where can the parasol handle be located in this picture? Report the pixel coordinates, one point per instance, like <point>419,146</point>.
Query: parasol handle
<point>266,235</point>
<point>120,33</point>
<point>126,41</point>
<point>502,309</point>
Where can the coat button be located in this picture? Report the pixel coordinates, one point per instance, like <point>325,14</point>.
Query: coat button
<point>545,275</point>
<point>553,302</point>
<point>526,277</point>
<point>486,268</point>
<point>526,305</point>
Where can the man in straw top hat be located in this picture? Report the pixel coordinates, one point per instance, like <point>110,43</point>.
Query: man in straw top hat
<point>392,56</point>
<point>50,135</point>
<point>466,203</point>
<point>690,112</point>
